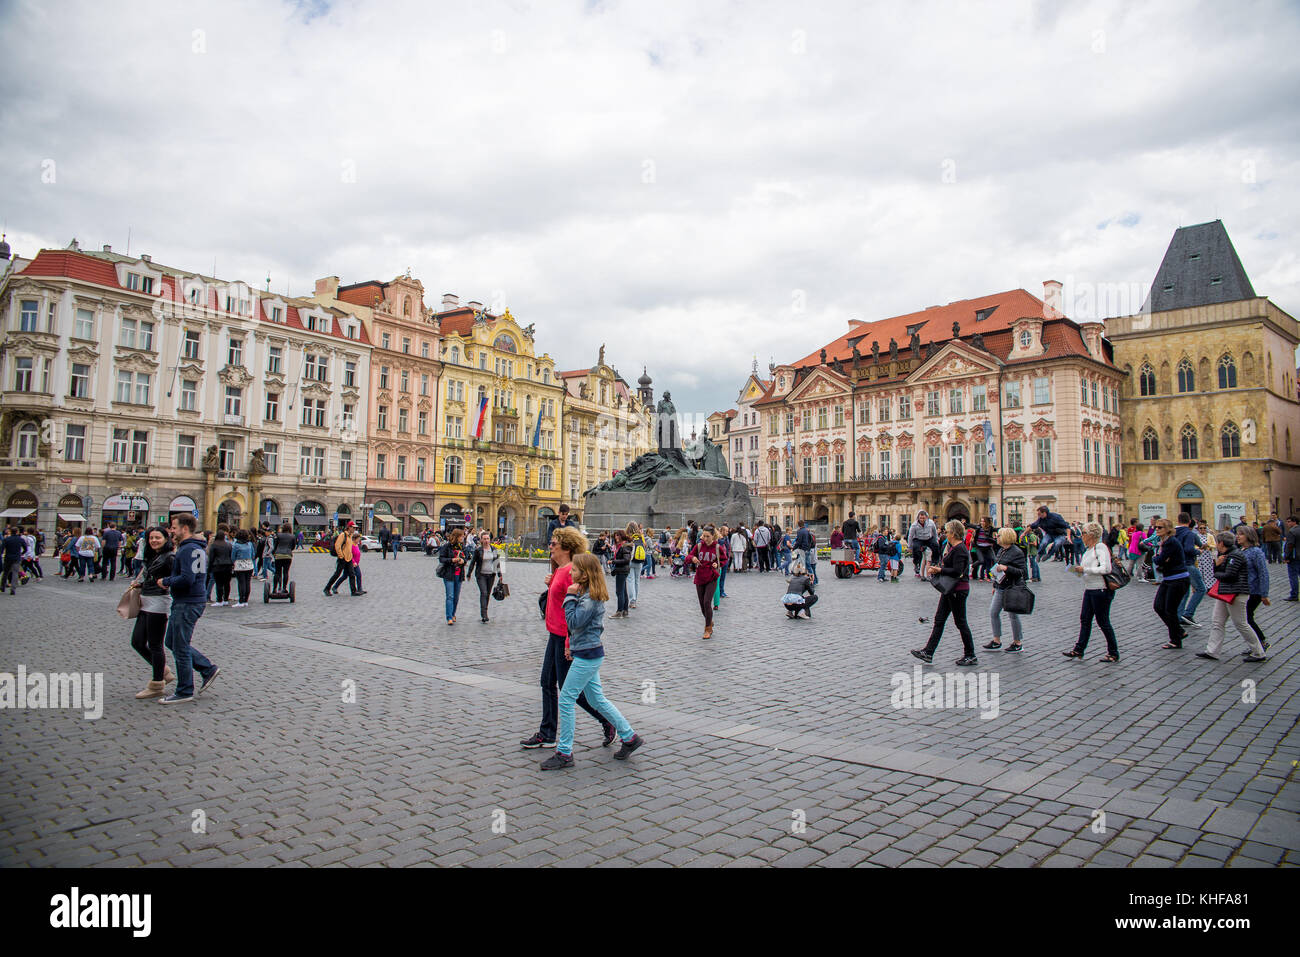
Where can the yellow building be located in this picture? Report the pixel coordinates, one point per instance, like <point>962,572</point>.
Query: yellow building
<point>498,420</point>
<point>606,426</point>
<point>1211,419</point>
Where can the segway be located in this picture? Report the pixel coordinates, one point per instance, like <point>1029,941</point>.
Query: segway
<point>285,593</point>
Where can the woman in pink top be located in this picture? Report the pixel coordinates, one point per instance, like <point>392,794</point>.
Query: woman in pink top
<point>565,543</point>
<point>356,564</point>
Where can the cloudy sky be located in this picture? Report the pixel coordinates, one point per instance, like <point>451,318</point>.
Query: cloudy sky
<point>692,183</point>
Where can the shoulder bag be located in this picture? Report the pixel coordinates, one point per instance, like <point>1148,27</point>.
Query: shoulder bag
<point>1213,592</point>
<point>1018,600</point>
<point>944,584</point>
<point>502,591</point>
<point>129,605</point>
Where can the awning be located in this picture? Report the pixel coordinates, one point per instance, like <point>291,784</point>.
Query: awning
<point>18,512</point>
<point>422,518</point>
<point>72,517</point>
<point>310,520</point>
<point>392,519</point>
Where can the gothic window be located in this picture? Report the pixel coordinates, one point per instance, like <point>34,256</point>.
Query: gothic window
<point>1146,380</point>
<point>1150,445</point>
<point>1230,440</point>
<point>1227,372</point>
<point>1189,442</point>
<point>1186,377</point>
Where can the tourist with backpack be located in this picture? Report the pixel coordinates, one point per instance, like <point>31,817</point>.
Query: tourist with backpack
<point>343,561</point>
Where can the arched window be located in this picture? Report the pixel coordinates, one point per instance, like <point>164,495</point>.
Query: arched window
<point>453,470</point>
<point>478,472</point>
<point>27,441</point>
<point>506,474</point>
<point>1189,442</point>
<point>1150,445</point>
<point>546,478</point>
<point>1146,380</point>
<point>1186,377</point>
<point>1230,439</point>
<point>1227,372</point>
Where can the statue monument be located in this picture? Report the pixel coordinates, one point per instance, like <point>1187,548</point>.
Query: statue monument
<point>676,483</point>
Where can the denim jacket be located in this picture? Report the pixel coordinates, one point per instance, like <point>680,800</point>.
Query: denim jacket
<point>1257,570</point>
<point>584,616</point>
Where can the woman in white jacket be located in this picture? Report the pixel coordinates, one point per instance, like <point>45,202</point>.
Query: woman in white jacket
<point>1096,596</point>
<point>486,565</point>
<point>738,542</point>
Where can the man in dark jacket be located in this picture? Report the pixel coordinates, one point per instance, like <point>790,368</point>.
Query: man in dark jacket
<point>108,559</point>
<point>563,520</point>
<point>189,591</point>
<point>1191,542</point>
<point>851,530</point>
<point>1291,552</point>
<point>385,542</point>
<point>1054,529</point>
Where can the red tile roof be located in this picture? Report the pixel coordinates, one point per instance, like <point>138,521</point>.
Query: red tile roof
<point>456,322</point>
<point>935,324</point>
<point>73,265</point>
<point>363,293</point>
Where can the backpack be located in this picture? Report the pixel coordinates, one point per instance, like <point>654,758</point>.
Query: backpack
<point>638,554</point>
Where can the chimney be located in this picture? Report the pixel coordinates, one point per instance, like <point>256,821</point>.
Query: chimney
<point>450,300</point>
<point>475,305</point>
<point>1052,299</point>
<point>146,258</point>
<point>1092,335</point>
<point>107,248</point>
<point>328,287</point>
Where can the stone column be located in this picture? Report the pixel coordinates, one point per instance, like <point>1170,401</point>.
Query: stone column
<point>210,499</point>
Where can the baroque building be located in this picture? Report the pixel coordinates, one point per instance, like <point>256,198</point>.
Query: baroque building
<point>988,406</point>
<point>1212,422</point>
<point>133,391</point>
<point>498,424</point>
<point>402,397</point>
<point>606,426</point>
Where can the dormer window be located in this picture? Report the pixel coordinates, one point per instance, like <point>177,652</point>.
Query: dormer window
<point>1026,339</point>
<point>1217,280</point>
<point>277,314</point>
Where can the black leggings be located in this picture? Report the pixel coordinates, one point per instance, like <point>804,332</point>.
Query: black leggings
<point>245,580</point>
<point>147,639</point>
<point>281,575</point>
<point>1168,597</point>
<point>704,592</point>
<point>953,603</point>
<point>985,553</point>
<point>1251,605</point>
<point>485,583</point>
<point>221,575</point>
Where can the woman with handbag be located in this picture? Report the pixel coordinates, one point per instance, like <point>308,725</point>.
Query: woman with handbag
<point>485,566</point>
<point>1097,596</point>
<point>951,580</point>
<point>708,558</point>
<point>241,554</point>
<point>452,565</point>
<point>1232,589</point>
<point>156,558</point>
<point>1171,562</point>
<point>1008,570</point>
<point>221,563</point>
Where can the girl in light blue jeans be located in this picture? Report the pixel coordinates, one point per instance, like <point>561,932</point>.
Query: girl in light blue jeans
<point>584,613</point>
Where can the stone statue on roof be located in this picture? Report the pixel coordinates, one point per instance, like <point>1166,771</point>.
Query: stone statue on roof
<point>838,366</point>
<point>916,345</point>
<point>601,360</point>
<point>978,340</point>
<point>875,351</point>
<point>956,329</point>
<point>823,357</point>
<point>893,350</point>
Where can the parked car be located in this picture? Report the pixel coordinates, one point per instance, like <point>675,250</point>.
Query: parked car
<point>411,543</point>
<point>369,543</point>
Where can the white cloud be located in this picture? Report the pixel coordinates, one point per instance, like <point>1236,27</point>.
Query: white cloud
<point>671,179</point>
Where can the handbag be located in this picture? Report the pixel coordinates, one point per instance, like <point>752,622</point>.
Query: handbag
<point>243,564</point>
<point>502,591</point>
<point>1214,593</point>
<point>944,584</point>
<point>1018,600</point>
<point>541,603</point>
<point>1116,577</point>
<point>129,605</point>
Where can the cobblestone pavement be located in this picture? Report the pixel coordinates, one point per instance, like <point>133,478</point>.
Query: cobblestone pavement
<point>774,743</point>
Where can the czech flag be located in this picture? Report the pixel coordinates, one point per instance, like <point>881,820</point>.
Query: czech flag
<point>482,418</point>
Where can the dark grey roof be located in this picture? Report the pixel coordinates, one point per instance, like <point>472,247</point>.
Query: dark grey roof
<point>1200,268</point>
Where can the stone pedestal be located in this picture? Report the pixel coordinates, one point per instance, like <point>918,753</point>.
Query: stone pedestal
<point>671,503</point>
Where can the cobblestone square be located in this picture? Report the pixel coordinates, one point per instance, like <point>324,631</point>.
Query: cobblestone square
<point>775,743</point>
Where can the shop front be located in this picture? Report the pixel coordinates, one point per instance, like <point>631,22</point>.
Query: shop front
<point>309,518</point>
<point>268,512</point>
<point>451,516</point>
<point>20,509</point>
<point>124,511</point>
<point>181,505</point>
<point>419,516</point>
<point>71,512</point>
<point>383,512</point>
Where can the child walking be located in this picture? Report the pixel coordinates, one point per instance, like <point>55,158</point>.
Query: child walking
<point>584,611</point>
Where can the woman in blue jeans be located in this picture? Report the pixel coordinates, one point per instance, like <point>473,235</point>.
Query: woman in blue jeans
<point>452,562</point>
<point>584,613</point>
